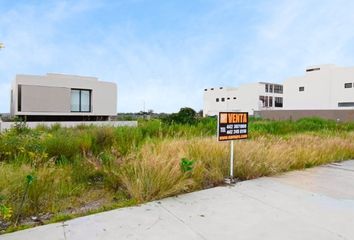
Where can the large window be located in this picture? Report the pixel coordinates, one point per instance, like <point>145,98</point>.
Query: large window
<point>278,102</point>
<point>80,100</point>
<point>301,89</point>
<point>264,100</point>
<point>270,101</point>
<point>278,89</point>
<point>19,98</point>
<point>346,104</point>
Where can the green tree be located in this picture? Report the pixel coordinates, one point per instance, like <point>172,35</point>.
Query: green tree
<point>185,115</point>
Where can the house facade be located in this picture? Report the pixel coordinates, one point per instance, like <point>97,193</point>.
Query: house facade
<point>322,87</point>
<point>219,99</point>
<point>246,98</point>
<point>59,97</point>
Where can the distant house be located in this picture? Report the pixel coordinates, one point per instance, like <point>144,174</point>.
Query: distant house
<point>325,91</point>
<point>59,97</point>
<point>246,98</point>
<point>322,87</point>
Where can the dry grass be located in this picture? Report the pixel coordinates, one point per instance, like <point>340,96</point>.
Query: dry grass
<point>155,172</point>
<point>272,155</point>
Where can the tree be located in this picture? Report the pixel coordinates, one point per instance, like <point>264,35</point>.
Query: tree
<point>185,115</point>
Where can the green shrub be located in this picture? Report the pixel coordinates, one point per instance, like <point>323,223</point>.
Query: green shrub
<point>103,138</point>
<point>185,115</point>
<point>186,165</point>
<point>62,146</point>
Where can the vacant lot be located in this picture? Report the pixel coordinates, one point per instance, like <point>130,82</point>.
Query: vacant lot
<point>57,173</point>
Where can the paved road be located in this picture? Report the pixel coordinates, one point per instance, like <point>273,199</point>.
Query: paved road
<point>314,204</point>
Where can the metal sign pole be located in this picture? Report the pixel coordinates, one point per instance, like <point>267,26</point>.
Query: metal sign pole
<point>232,126</point>
<point>231,160</point>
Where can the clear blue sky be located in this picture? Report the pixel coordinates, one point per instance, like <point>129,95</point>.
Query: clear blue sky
<point>165,52</point>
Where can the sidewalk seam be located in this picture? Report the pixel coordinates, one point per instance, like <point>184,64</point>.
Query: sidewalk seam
<point>338,167</point>
<point>64,225</point>
<point>181,220</point>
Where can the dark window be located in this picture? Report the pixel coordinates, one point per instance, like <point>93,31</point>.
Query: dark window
<point>19,98</point>
<point>221,87</point>
<point>270,101</point>
<point>261,98</point>
<point>278,102</point>
<point>234,98</point>
<point>271,88</point>
<point>266,88</point>
<point>264,100</point>
<point>211,88</point>
<point>80,100</point>
<point>223,99</point>
<point>348,85</point>
<point>301,89</point>
<point>205,89</point>
<point>346,104</point>
<point>228,98</point>
<point>278,89</point>
<point>217,100</point>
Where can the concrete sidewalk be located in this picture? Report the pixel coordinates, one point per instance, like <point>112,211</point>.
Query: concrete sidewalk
<point>316,203</point>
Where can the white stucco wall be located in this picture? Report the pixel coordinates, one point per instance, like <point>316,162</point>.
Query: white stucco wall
<point>324,88</point>
<point>211,107</point>
<point>247,99</point>
<point>7,125</point>
<point>104,94</point>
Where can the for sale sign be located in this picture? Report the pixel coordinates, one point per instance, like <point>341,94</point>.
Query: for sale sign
<point>232,126</point>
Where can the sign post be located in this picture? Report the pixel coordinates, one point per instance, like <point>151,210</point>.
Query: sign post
<point>232,159</point>
<point>232,126</point>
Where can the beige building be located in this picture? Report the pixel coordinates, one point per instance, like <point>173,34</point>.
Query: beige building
<point>246,98</point>
<point>59,97</point>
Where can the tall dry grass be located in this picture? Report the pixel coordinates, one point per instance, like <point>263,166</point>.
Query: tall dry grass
<point>155,172</point>
<point>272,155</point>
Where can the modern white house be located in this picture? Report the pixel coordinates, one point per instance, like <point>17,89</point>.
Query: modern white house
<point>219,99</point>
<point>59,97</point>
<point>322,87</point>
<point>325,91</point>
<point>246,98</point>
